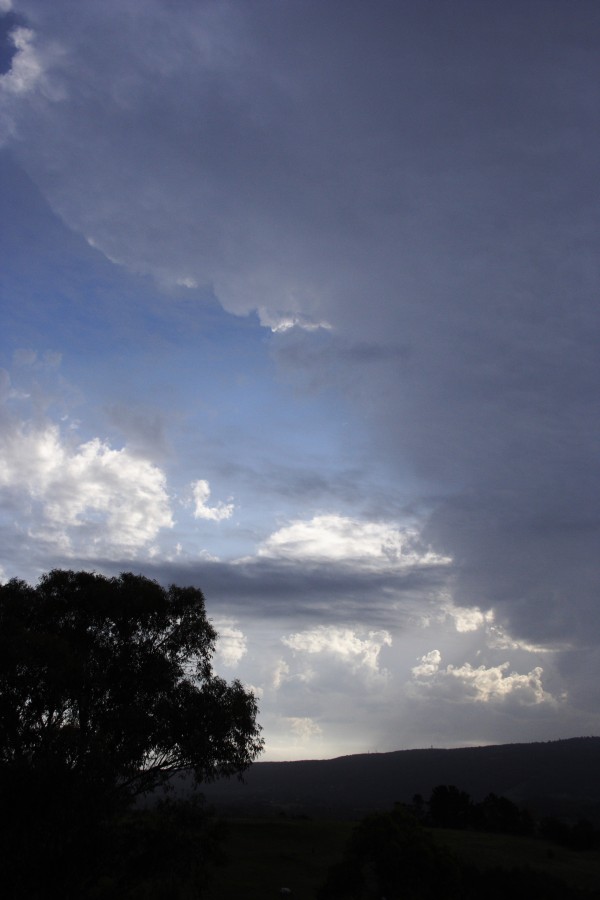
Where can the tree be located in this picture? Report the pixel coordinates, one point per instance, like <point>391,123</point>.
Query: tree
<point>449,807</point>
<point>390,855</point>
<point>106,692</point>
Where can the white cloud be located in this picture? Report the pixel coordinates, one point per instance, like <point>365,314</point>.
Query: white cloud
<point>469,618</point>
<point>232,643</point>
<point>485,684</point>
<point>428,665</point>
<point>345,644</point>
<point>500,640</point>
<point>26,68</point>
<point>293,737</point>
<point>201,493</point>
<point>280,673</point>
<point>481,684</point>
<point>28,77</point>
<point>88,499</point>
<point>279,322</point>
<point>335,538</point>
<point>303,727</point>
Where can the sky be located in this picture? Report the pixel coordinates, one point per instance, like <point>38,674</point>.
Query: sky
<point>299,305</point>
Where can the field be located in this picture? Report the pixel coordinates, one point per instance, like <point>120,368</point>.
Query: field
<point>266,854</point>
<point>577,869</point>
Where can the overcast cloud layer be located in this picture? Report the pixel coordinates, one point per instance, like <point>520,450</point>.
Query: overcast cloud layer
<point>301,306</point>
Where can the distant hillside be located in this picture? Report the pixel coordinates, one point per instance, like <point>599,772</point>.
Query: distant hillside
<point>558,778</point>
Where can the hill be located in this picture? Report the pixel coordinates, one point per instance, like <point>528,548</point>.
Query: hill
<point>559,778</point>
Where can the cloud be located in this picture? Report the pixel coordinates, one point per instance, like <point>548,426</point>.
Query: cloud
<point>280,672</point>
<point>481,684</point>
<point>143,428</point>
<point>403,200</point>
<point>336,538</point>
<point>26,68</point>
<point>281,322</point>
<point>293,737</point>
<point>359,651</point>
<point>485,684</point>
<point>86,498</point>
<point>469,618</point>
<point>303,728</point>
<point>232,643</point>
<point>27,76</point>
<point>429,664</point>
<point>201,493</point>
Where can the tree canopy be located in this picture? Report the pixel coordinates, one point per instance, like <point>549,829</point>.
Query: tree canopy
<point>112,679</point>
<point>106,692</point>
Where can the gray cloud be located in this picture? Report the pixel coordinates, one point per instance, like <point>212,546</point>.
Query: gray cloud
<point>317,593</point>
<point>142,430</point>
<point>421,177</point>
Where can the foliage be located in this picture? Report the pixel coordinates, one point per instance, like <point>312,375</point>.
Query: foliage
<point>106,691</point>
<point>580,836</point>
<point>451,808</point>
<point>156,853</point>
<point>390,855</point>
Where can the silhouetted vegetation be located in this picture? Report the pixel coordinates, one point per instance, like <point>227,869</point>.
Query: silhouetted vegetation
<point>449,807</point>
<point>579,836</point>
<point>392,855</point>
<point>106,692</point>
<point>389,855</point>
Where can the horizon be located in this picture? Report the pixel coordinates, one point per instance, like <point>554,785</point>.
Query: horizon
<point>516,743</point>
<point>300,307</point>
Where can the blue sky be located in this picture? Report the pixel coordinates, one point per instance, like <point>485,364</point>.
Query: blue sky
<point>299,305</point>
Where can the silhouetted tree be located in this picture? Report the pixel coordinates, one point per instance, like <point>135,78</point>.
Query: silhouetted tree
<point>449,807</point>
<point>106,692</point>
<point>502,815</point>
<point>390,855</point>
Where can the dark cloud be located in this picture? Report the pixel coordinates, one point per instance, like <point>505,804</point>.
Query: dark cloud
<point>143,430</point>
<point>262,589</point>
<point>422,177</point>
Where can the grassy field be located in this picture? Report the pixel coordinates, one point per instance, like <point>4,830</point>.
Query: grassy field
<point>266,854</point>
<point>577,869</point>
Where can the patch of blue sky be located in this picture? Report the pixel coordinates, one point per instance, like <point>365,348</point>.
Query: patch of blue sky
<point>197,388</point>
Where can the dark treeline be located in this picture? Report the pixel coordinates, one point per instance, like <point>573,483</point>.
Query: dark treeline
<point>449,807</point>
<point>393,855</point>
